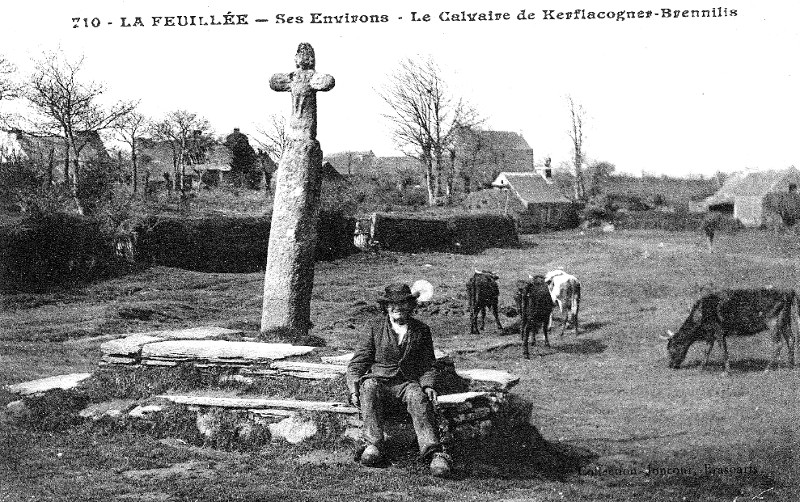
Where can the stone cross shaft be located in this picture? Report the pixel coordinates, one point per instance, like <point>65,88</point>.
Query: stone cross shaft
<point>289,276</point>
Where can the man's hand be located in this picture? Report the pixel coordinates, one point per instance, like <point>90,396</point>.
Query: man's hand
<point>432,394</point>
<point>355,399</point>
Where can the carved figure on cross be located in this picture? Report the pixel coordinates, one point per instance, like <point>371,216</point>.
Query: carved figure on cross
<point>304,83</point>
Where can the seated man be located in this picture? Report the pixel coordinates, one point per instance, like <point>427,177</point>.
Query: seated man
<point>394,360</point>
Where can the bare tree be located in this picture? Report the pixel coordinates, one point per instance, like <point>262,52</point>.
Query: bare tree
<point>130,129</point>
<point>577,116</point>
<point>273,141</point>
<point>473,152</point>
<point>67,107</point>
<point>188,135</point>
<point>9,89</point>
<point>425,117</point>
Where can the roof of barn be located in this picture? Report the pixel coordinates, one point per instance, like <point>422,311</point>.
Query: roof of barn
<point>754,184</point>
<point>530,187</point>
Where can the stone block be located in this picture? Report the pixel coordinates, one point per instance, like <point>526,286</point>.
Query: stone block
<point>145,411</point>
<point>294,429</point>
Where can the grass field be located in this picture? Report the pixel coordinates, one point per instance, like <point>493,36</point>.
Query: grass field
<point>639,430</point>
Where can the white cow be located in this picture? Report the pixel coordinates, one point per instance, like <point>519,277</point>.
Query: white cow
<point>565,290</point>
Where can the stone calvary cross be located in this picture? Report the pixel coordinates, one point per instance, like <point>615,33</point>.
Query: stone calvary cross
<point>289,277</point>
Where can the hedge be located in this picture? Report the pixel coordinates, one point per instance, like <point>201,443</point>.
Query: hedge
<point>466,233</point>
<point>649,220</point>
<point>231,244</point>
<point>45,250</point>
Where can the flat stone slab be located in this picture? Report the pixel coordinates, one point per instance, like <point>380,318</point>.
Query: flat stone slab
<point>259,403</point>
<point>221,351</point>
<point>491,380</point>
<point>130,345</point>
<point>459,398</point>
<point>113,408</point>
<point>44,384</point>
<point>344,359</point>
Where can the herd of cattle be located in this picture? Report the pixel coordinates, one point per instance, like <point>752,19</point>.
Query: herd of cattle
<point>535,297</point>
<point>715,316</point>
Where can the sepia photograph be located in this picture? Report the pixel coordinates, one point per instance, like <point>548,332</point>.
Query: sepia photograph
<point>345,251</point>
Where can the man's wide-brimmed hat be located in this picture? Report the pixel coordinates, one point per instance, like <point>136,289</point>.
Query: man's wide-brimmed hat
<point>398,293</point>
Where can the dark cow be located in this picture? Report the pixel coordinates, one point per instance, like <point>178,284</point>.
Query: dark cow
<point>483,293</point>
<point>535,306</point>
<point>736,312</point>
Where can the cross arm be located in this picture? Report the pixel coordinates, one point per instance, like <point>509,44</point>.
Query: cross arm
<point>280,82</point>
<point>322,82</point>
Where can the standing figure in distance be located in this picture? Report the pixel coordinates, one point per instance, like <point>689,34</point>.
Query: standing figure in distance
<point>394,362</point>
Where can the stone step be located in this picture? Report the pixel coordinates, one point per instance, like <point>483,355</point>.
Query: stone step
<point>297,369</point>
<point>44,384</point>
<point>345,358</point>
<point>251,403</point>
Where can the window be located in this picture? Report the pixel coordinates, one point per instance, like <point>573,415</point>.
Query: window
<point>792,187</point>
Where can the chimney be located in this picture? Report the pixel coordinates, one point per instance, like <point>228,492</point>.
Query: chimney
<point>235,130</point>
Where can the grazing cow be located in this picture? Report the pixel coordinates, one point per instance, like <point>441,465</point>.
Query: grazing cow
<point>565,290</point>
<point>535,306</point>
<point>736,312</point>
<point>483,292</point>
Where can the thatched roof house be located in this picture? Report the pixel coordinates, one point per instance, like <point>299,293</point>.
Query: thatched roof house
<point>534,200</point>
<point>49,151</point>
<point>158,158</point>
<point>743,195</point>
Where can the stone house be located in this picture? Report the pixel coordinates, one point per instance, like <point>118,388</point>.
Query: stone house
<point>743,195</point>
<point>531,197</point>
<point>481,155</point>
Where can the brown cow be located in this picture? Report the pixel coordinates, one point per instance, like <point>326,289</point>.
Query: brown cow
<point>483,292</point>
<point>737,312</point>
<point>535,307</point>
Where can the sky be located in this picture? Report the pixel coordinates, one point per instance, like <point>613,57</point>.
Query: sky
<point>663,95</point>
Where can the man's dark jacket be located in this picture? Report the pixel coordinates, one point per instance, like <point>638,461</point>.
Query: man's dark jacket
<point>378,354</point>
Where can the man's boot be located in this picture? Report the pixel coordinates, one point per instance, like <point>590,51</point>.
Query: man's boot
<point>371,456</point>
<point>441,464</point>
